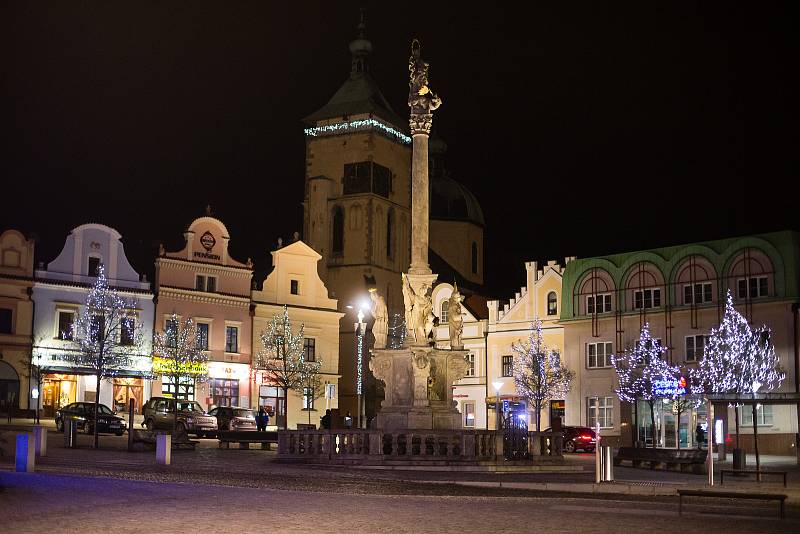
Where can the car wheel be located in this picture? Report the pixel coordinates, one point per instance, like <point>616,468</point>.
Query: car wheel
<point>180,428</point>
<point>59,425</point>
<point>569,446</point>
<point>149,424</point>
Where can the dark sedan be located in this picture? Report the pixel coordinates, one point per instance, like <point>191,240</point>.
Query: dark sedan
<point>83,412</point>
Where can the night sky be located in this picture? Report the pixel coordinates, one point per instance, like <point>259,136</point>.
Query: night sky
<point>582,129</point>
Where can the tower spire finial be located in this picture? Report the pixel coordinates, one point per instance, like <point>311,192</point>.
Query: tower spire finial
<point>360,48</point>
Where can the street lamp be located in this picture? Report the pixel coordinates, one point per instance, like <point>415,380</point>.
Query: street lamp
<point>498,384</point>
<point>360,328</point>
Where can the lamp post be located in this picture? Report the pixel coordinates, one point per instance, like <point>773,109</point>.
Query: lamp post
<point>498,384</point>
<point>360,327</point>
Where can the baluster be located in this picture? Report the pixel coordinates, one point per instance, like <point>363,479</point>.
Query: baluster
<point>409,444</point>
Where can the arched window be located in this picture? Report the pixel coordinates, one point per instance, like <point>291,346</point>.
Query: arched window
<point>338,231</point>
<point>443,312</point>
<point>474,257</point>
<point>390,234</point>
<point>552,303</point>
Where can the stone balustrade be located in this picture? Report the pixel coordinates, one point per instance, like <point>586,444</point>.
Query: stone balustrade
<point>377,446</point>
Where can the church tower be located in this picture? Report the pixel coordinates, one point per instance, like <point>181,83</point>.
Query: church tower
<point>357,187</point>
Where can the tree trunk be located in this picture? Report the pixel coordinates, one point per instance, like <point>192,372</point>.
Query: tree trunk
<point>679,429</point>
<point>175,412</point>
<point>652,403</point>
<point>286,408</point>
<point>539,416</point>
<point>736,415</point>
<point>636,422</point>
<point>755,439</point>
<point>96,409</point>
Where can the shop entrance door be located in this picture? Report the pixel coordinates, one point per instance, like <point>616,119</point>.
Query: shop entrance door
<point>126,389</point>
<point>669,431</point>
<point>58,391</point>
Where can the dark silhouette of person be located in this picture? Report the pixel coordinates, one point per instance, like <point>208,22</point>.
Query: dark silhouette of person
<point>261,419</point>
<point>699,435</point>
<point>325,420</point>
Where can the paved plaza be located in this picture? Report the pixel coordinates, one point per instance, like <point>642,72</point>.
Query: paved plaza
<point>110,489</point>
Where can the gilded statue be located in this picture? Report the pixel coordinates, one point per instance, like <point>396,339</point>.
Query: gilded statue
<point>381,326</point>
<point>455,318</point>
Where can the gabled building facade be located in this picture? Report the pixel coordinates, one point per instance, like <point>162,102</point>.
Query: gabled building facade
<point>16,320</point>
<point>295,283</point>
<point>59,294</point>
<point>540,298</point>
<point>204,282</point>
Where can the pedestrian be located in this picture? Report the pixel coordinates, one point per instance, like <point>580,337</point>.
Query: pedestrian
<point>266,419</point>
<point>261,419</point>
<point>348,421</point>
<point>699,435</point>
<point>325,420</point>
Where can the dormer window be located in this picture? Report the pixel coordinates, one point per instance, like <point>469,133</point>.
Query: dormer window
<point>94,266</point>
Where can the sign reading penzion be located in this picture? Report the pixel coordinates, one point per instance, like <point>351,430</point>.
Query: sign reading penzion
<point>207,255</point>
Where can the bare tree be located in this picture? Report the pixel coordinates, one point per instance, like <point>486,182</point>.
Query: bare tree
<point>281,357</point>
<point>106,336</point>
<point>178,354</point>
<point>538,372</point>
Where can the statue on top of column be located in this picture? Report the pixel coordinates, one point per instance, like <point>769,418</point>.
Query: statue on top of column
<point>455,318</point>
<point>421,99</point>
<point>381,326</point>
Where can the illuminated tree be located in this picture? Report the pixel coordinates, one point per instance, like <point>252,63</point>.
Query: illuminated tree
<point>178,354</point>
<point>644,374</point>
<point>538,372</point>
<point>310,383</point>
<point>106,335</point>
<point>281,358</point>
<point>738,360</point>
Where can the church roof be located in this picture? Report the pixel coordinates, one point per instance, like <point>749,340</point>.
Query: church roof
<point>450,200</point>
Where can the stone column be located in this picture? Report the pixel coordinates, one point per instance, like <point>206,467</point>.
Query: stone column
<point>420,210</point>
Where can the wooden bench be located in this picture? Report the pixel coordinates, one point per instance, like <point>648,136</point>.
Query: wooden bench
<point>245,438</point>
<point>750,472</point>
<point>731,495</point>
<point>685,459</point>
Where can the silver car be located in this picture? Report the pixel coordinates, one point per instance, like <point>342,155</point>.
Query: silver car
<point>233,418</point>
<point>159,413</point>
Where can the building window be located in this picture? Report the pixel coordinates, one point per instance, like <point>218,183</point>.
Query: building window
<point>552,303</point>
<point>470,364</point>
<point>753,287</point>
<point>205,283</point>
<point>201,335</point>
<point>294,287</point>
<point>600,410</point>
<point>185,389</point>
<point>127,330</point>
<point>598,355</point>
<point>65,325</point>
<point>231,339</point>
<point>390,234</point>
<point>695,345</point>
<point>225,391</point>
<point>308,399</point>
<point>338,231</point>
<point>600,303</point>
<point>508,365</point>
<point>469,414</point>
<point>443,312</point>
<point>171,330</point>
<point>699,293</point>
<point>763,413</point>
<point>646,298</point>
<point>366,176</point>
<point>5,321</point>
<point>474,258</point>
<point>310,349</point>
<point>94,266</point>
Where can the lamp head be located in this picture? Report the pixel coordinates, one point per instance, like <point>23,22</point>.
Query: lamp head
<point>497,385</point>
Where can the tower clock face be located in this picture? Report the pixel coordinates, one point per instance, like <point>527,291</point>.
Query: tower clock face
<point>208,241</point>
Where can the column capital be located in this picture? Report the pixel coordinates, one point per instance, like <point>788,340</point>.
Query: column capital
<point>420,123</point>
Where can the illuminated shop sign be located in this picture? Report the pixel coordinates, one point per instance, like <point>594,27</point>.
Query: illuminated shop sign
<point>162,366</point>
<point>670,387</point>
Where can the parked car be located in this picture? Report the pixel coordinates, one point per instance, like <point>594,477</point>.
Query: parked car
<point>233,418</point>
<point>159,413</point>
<point>107,421</point>
<point>578,438</point>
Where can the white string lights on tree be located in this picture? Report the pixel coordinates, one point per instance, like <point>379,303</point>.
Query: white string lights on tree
<point>538,373</point>
<point>179,351</point>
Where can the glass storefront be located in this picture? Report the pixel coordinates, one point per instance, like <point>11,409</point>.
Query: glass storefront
<point>126,389</point>
<point>274,402</point>
<point>57,391</point>
<point>224,391</point>
<point>687,428</point>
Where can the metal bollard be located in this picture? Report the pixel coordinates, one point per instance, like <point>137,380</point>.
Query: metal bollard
<point>70,433</point>
<point>608,461</point>
<point>40,438</point>
<point>25,454</point>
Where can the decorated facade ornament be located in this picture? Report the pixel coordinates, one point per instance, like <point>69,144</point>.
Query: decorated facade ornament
<point>419,310</point>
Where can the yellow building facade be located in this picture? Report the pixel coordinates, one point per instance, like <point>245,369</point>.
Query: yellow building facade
<point>294,282</point>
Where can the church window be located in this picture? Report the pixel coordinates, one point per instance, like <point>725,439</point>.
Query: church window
<point>338,231</point>
<point>474,257</point>
<point>443,313</point>
<point>390,234</point>
<point>366,177</point>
